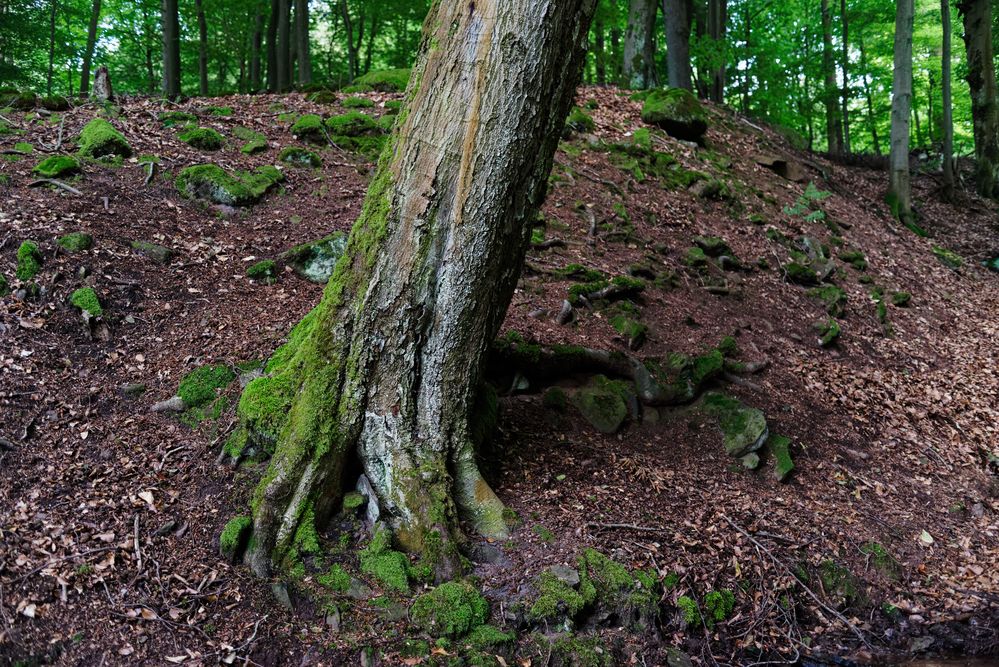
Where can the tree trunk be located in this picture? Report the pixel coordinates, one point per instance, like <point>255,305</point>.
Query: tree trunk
<point>899,189</point>
<point>390,365</point>
<point>977,15</point>
<point>52,25</point>
<point>600,48</point>
<point>372,35</point>
<point>639,50</point>
<point>352,47</point>
<point>834,128</point>
<point>302,37</point>
<point>88,54</point>
<point>717,20</point>
<point>171,49</point>
<point>256,45</point>
<point>677,18</point>
<point>202,49</point>
<point>616,69</point>
<point>284,45</point>
<point>948,111</point>
<point>846,76</point>
<point>871,119</point>
<point>272,50</point>
<point>747,37</point>
<point>102,85</point>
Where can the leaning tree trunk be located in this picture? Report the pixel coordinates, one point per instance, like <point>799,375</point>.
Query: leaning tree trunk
<point>899,189</point>
<point>834,127</point>
<point>171,49</point>
<point>390,367</point>
<point>677,19</point>
<point>202,49</point>
<point>88,54</point>
<point>948,111</point>
<point>639,55</point>
<point>977,15</point>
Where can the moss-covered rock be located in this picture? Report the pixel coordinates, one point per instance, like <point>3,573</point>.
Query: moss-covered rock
<point>172,118</point>
<point>255,142</point>
<point>948,258</point>
<point>57,166</point>
<point>86,300</point>
<point>53,103</point>
<point>155,252</point>
<point>98,138</point>
<point>604,403</point>
<point>574,651</point>
<point>783,463</point>
<point>201,386</point>
<point>386,81</point>
<point>299,157</point>
<point>29,261</point>
<point>322,97</point>
<point>624,597</point>
<point>557,601</point>
<point>744,429</point>
<point>678,112</point>
<point>220,112</point>
<point>832,297</point>
<point>854,258</point>
<point>579,121</point>
<point>234,537</point>
<point>901,299</point>
<point>828,332</point>
<point>202,138</point>
<point>309,127</point>
<point>357,103</point>
<point>264,271</point>
<point>22,101</point>
<point>389,567</point>
<point>452,609</point>
<point>211,182</point>
<point>315,261</point>
<point>352,124</point>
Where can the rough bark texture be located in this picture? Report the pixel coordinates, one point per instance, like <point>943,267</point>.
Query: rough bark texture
<point>977,15</point>
<point>53,7</point>
<point>639,45</point>
<point>171,49</point>
<point>88,54</point>
<point>302,42</point>
<point>677,13</point>
<point>202,49</point>
<point>102,85</point>
<point>388,366</point>
<point>948,111</point>
<point>899,190</point>
<point>834,127</point>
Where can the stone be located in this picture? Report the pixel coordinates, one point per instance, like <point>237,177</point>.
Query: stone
<point>784,167</point>
<point>567,575</point>
<point>751,461</point>
<point>372,510</point>
<point>315,261</point>
<point>359,590</point>
<point>603,403</point>
<point>677,658</point>
<point>132,391</point>
<point>280,592</point>
<point>678,112</point>
<point>744,429</point>
<point>174,404</point>
<point>157,253</point>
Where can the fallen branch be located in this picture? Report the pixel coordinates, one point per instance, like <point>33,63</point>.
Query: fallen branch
<point>58,184</point>
<point>626,526</point>
<point>150,171</point>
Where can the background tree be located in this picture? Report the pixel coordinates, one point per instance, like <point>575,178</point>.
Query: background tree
<point>948,113</point>
<point>977,16</point>
<point>639,44</point>
<point>677,16</point>
<point>834,125</point>
<point>302,40</point>
<point>899,188</point>
<point>202,48</point>
<point>171,49</point>
<point>88,53</point>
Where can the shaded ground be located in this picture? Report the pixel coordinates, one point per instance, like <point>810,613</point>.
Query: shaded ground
<point>893,435</point>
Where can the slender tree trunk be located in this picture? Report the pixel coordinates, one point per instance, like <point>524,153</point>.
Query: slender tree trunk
<point>88,54</point>
<point>272,48</point>
<point>677,18</point>
<point>256,44</point>
<point>600,49</point>
<point>899,188</point>
<point>846,76</point>
<point>352,48</point>
<point>747,38</point>
<point>372,35</point>
<point>717,20</point>
<point>929,108</point>
<point>302,35</point>
<point>948,111</point>
<point>202,49</point>
<point>872,123</point>
<point>834,126</point>
<point>284,45</point>
<point>52,30</point>
<point>977,15</point>
<point>171,49</point>
<point>639,52</point>
<point>390,365</point>
<point>616,64</point>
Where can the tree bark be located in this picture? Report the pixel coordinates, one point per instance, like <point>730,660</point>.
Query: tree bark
<point>677,15</point>
<point>88,54</point>
<point>977,15</point>
<point>717,20</point>
<point>52,29</point>
<point>834,126</point>
<point>272,50</point>
<point>256,45</point>
<point>899,188</point>
<point>948,111</point>
<point>284,45</point>
<point>171,49</point>
<point>391,363</point>
<point>202,49</point>
<point>639,44</point>
<point>600,51</point>
<point>353,48</point>
<point>302,37</point>
<point>846,76</point>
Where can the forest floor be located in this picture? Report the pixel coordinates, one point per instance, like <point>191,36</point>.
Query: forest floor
<point>882,544</point>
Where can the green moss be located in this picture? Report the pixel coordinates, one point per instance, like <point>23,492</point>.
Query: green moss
<point>546,535</point>
<point>4,286</point>
<point>86,300</point>
<point>882,560</point>
<point>855,258</point>
<point>309,127</point>
<point>728,347</point>
<point>264,271</point>
<point>211,182</point>
<point>99,139</point>
<point>555,600</point>
<point>713,246</point>
<point>255,141</point>
<point>234,535</point>
<point>76,242</point>
<point>718,606</point>
<point>223,112</point>
<point>386,81</point>
<point>582,652</point>
<point>901,299</point>
<point>580,273</point>
<point>604,403</point>
<point>696,258</point>
<point>202,138</point>
<point>555,399</point>
<point>832,297</point>
<point>688,609</point>
<point>201,385</point>
<point>171,118</point>
<point>393,106</point>
<point>306,538</point>
<point>57,166</point>
<point>828,332</point>
<point>157,253</point>
<point>631,596</point>
<point>29,261</point>
<point>352,124</point>
<point>948,258</point>
<point>389,567</point>
<point>322,97</point>
<point>452,609</point>
<point>263,408</point>
<point>357,103</point>
<point>800,274</point>
<point>839,582</point>
<point>353,501</point>
<point>632,330</point>
<point>299,157</point>
<point>678,112</point>
<point>489,638</point>
<point>744,429</point>
<point>580,121</point>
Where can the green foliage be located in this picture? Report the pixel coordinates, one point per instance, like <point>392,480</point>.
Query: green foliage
<point>86,300</point>
<point>29,261</point>
<point>452,610</point>
<point>57,166</point>
<point>98,139</point>
<point>718,606</point>
<point>201,385</point>
<point>689,610</point>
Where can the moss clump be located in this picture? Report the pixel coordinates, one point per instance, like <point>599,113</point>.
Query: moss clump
<point>299,157</point>
<point>336,579</point>
<point>555,399</point>
<point>839,582</point>
<point>201,385</point>
<point>799,274</point>
<point>222,112</point>
<point>352,124</point>
<point>489,638</point>
<point>883,561</point>
<point>234,536</point>
<point>393,106</point>
<point>29,261</point>
<point>580,273</point>
<point>604,403</point>
<point>211,182</point>
<point>854,258</point>
<point>172,118</point>
<point>322,97</point>
<point>828,332</point>
<point>713,246</point>
<point>86,300</point>
<point>309,127</point>
<point>678,112</point>
<point>631,596</point>
<point>389,567</point>
<point>353,501</point>
<point>4,286</point>
<point>696,258</point>
<point>718,606</point>
<point>689,610</point>
<point>202,138</point>
<point>832,297</point>
<point>633,331</point>
<point>948,258</point>
<point>557,600</point>
<point>386,81</point>
<point>256,142</point>
<point>264,271</point>
<point>579,121</point>
<point>452,609</point>
<point>53,103</point>
<point>263,411</point>
<point>76,242</point>
<point>99,139</point>
<point>744,429</point>
<point>57,166</point>
<point>581,652</point>
<point>357,103</point>
<point>901,299</point>
<point>157,253</point>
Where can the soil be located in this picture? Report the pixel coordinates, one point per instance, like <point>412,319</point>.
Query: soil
<point>110,513</point>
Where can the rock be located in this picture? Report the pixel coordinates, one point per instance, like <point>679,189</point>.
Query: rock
<point>359,590</point>
<point>280,592</point>
<point>132,391</point>
<point>373,511</point>
<point>175,404</point>
<point>977,511</point>
<point>677,658</point>
<point>315,261</point>
<point>751,461</point>
<point>394,611</point>
<point>567,314</point>
<point>567,575</point>
<point>678,112</point>
<point>157,253</point>
<point>603,403</point>
<point>490,554</point>
<point>784,167</point>
<point>744,429</point>
<point>333,619</point>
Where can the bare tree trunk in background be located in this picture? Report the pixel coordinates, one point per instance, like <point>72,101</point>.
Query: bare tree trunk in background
<point>102,85</point>
<point>834,126</point>
<point>372,35</point>
<point>52,25</point>
<point>88,54</point>
<point>899,187</point>
<point>747,39</point>
<point>202,49</point>
<point>272,50</point>
<point>600,49</point>
<point>639,50</point>
<point>256,45</point>
<point>353,48</point>
<point>616,71</point>
<point>948,110</point>
<point>977,15</point>
<point>171,49</point>
<point>677,19</point>
<point>430,268</point>
<point>846,76</point>
<point>302,39</point>
<point>284,46</point>
<point>872,123</point>
<point>717,20</point>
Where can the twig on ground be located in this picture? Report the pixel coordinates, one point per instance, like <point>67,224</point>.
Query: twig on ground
<point>58,184</point>
<point>626,526</point>
<point>89,552</point>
